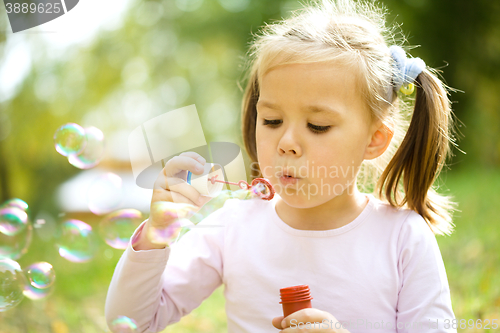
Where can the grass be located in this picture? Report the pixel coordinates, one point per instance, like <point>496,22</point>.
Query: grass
<point>472,253</point>
<point>471,256</point>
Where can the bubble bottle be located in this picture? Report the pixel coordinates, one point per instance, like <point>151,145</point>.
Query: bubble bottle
<point>295,298</point>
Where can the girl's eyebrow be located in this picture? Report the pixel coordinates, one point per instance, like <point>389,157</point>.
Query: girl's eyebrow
<point>309,108</point>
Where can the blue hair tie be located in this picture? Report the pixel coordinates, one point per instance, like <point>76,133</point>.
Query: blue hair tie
<point>405,70</point>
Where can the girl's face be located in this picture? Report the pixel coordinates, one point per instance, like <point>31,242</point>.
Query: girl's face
<point>312,124</point>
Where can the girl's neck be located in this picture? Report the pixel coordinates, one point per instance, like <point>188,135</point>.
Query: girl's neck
<point>333,214</point>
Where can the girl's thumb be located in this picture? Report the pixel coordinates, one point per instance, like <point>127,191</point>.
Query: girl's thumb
<point>277,322</point>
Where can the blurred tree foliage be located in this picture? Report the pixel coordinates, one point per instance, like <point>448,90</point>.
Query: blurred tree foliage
<point>462,38</point>
<point>164,57</point>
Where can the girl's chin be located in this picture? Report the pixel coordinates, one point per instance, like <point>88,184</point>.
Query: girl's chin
<point>296,198</point>
<point>298,202</point>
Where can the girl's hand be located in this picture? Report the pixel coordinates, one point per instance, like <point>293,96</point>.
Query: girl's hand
<point>171,186</point>
<point>297,322</point>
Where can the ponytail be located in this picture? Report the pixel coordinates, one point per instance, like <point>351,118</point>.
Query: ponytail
<point>422,155</point>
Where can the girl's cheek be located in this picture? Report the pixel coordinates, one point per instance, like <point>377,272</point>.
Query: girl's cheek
<point>261,138</point>
<point>264,149</point>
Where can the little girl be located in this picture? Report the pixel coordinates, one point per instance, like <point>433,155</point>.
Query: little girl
<point>323,109</point>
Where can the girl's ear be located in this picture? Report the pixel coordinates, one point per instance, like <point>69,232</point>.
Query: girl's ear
<point>380,140</point>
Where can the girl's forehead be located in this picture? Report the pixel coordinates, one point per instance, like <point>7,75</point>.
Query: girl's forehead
<point>313,81</point>
<point>323,73</point>
<point>330,89</point>
<point>284,61</point>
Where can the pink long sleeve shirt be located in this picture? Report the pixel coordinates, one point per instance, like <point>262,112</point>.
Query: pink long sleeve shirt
<point>382,272</point>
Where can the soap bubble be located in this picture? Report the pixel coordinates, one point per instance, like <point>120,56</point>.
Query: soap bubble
<point>40,275</point>
<point>242,194</point>
<point>216,203</point>
<point>117,227</point>
<point>169,234</point>
<point>166,210</point>
<point>259,191</point>
<point>35,293</point>
<point>12,282</point>
<point>77,242</point>
<point>219,201</point>
<point>70,139</point>
<point>123,324</point>
<point>93,152</point>
<point>12,220</point>
<point>105,194</point>
<point>13,247</point>
<point>18,203</point>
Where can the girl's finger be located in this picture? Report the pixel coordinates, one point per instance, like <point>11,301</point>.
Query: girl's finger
<point>277,322</point>
<point>180,187</point>
<point>163,183</point>
<point>203,200</point>
<point>194,155</point>
<point>161,195</point>
<point>179,198</point>
<point>177,166</point>
<point>185,189</point>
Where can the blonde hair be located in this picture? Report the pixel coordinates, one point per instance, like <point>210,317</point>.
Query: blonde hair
<point>355,33</point>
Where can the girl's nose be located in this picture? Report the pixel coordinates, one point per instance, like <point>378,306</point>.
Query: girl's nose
<point>289,144</point>
<point>291,151</point>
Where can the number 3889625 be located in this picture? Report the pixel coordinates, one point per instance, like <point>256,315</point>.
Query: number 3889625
<point>485,324</point>
<point>32,8</point>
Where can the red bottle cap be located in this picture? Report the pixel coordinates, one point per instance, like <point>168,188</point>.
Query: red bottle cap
<point>302,287</point>
<point>295,298</point>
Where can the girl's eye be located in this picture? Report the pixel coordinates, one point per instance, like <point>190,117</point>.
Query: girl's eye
<point>318,129</point>
<point>271,122</point>
<point>314,128</point>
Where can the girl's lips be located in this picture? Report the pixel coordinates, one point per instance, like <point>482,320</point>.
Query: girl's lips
<point>284,180</point>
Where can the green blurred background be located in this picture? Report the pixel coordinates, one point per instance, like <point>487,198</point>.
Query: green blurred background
<point>162,55</point>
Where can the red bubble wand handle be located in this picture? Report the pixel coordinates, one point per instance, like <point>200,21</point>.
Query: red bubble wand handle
<point>245,186</point>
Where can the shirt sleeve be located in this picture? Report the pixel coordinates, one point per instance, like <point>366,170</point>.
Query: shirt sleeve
<point>157,288</point>
<point>424,303</point>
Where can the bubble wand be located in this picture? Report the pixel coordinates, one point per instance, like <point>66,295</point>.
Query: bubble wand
<point>265,192</point>
<point>261,187</point>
